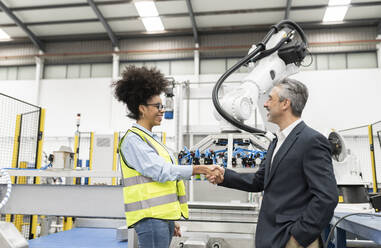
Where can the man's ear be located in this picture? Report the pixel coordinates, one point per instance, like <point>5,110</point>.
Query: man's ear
<point>286,103</point>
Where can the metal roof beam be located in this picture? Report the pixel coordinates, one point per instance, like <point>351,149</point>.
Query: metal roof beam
<point>73,5</point>
<point>193,20</point>
<point>288,8</point>
<point>37,42</point>
<point>113,2</point>
<point>112,36</point>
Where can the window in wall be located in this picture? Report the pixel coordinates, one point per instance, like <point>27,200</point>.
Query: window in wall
<point>78,71</point>
<point>182,67</point>
<point>212,66</point>
<point>73,71</point>
<point>55,71</point>
<point>322,61</point>
<point>337,61</point>
<point>3,73</point>
<point>362,60</point>
<point>18,73</point>
<point>12,73</point>
<point>101,70</point>
<point>85,71</point>
<point>26,73</point>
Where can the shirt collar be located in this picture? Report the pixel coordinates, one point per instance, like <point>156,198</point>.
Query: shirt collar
<point>283,134</point>
<point>144,129</point>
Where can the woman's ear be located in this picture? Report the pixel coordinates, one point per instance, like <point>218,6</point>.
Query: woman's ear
<point>142,110</point>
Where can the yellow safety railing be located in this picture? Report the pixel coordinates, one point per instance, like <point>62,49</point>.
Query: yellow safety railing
<point>33,229</point>
<point>68,221</point>
<point>16,144</point>
<point>76,153</point>
<point>91,154</point>
<point>372,159</point>
<point>19,218</point>
<point>15,155</point>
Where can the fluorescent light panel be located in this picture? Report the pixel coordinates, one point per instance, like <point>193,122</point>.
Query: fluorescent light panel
<point>149,15</point>
<point>146,8</point>
<point>338,2</point>
<point>4,35</point>
<point>336,10</point>
<point>153,24</point>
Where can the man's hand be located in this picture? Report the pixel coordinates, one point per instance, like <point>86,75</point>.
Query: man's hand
<point>216,174</point>
<point>177,232</point>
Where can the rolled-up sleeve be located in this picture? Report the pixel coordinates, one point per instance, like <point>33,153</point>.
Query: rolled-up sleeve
<point>145,160</point>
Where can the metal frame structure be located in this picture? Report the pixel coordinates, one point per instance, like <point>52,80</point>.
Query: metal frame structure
<point>185,31</point>
<point>288,8</point>
<point>193,21</point>
<point>101,18</point>
<point>36,41</point>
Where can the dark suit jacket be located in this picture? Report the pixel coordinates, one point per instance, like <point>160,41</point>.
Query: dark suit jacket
<point>300,192</point>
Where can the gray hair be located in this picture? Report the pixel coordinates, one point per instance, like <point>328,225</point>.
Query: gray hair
<point>294,91</point>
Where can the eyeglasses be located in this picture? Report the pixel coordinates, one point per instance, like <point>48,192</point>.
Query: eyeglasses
<point>159,106</point>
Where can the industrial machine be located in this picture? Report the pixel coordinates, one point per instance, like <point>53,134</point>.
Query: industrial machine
<point>347,171</point>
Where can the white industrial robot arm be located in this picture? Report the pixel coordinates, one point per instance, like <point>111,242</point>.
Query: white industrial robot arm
<point>278,56</point>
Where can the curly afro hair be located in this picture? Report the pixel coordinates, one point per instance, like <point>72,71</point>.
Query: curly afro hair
<point>137,86</point>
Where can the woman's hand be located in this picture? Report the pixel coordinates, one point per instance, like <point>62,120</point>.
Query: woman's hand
<point>177,232</point>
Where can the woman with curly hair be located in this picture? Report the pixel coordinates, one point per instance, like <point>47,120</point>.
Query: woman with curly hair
<point>154,193</point>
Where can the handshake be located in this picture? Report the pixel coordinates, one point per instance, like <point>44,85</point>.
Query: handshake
<point>214,173</point>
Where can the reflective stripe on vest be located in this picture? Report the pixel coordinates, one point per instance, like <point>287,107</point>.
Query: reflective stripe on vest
<point>136,180</point>
<point>153,202</point>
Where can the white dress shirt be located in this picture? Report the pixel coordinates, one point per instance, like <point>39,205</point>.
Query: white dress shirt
<point>282,135</point>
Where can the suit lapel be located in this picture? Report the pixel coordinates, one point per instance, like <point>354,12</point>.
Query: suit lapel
<point>287,144</point>
<point>269,155</point>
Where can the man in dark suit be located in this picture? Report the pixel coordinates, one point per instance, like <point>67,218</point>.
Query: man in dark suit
<point>300,192</point>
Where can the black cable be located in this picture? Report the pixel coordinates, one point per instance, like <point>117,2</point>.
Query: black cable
<point>259,49</point>
<point>342,218</point>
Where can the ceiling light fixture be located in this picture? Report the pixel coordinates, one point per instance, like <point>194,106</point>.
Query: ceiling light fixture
<point>338,2</point>
<point>146,8</point>
<point>4,35</point>
<point>336,10</point>
<point>153,24</point>
<point>149,15</point>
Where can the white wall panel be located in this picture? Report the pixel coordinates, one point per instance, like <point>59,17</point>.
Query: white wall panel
<point>63,99</point>
<point>21,89</point>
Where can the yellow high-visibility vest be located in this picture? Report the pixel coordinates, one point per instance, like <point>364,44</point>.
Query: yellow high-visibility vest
<point>145,198</point>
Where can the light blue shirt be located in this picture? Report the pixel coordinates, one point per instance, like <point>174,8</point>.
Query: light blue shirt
<point>144,159</point>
